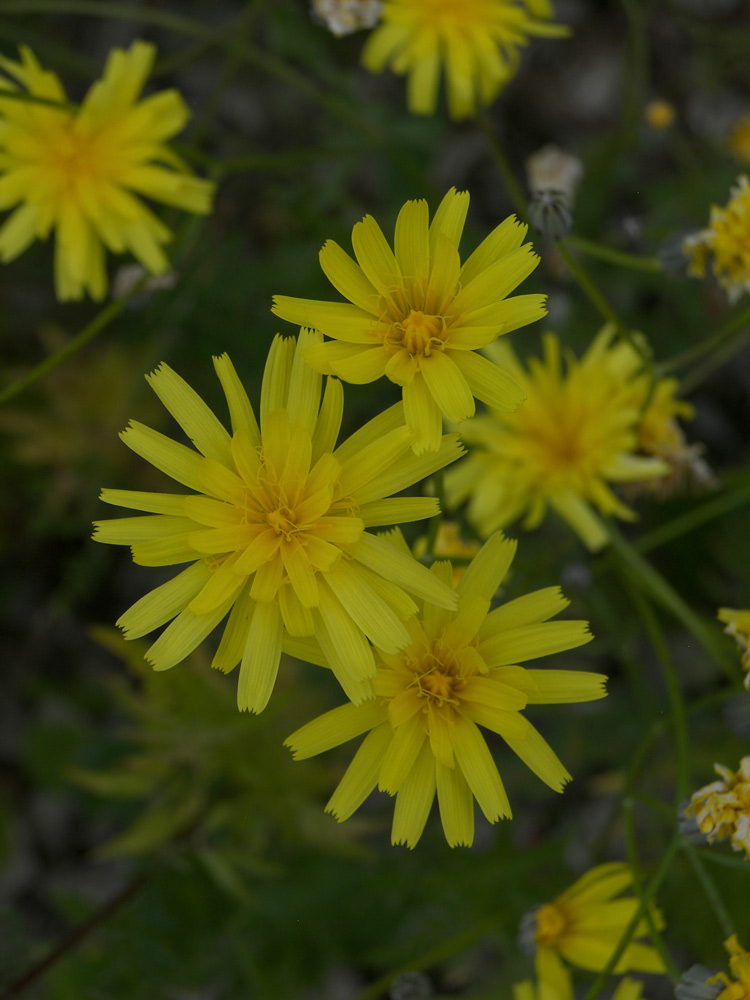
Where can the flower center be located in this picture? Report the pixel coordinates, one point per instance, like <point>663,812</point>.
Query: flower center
<point>438,680</point>
<point>550,924</point>
<point>283,519</point>
<point>419,333</point>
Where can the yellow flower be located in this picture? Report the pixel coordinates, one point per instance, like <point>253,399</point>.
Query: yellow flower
<point>739,965</point>
<point>476,42</point>
<point>576,432</point>
<point>722,809</point>
<point>584,925</point>
<point>448,545</point>
<point>726,241</point>
<point>738,626</point>
<point>418,315</point>
<point>660,114</point>
<point>739,139</point>
<point>459,672</point>
<point>275,530</point>
<point>79,171</point>
<point>554,982</point>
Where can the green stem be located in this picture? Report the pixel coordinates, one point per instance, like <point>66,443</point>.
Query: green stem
<point>636,83</point>
<point>709,887</point>
<point>430,958</point>
<point>100,322</point>
<point>665,595</point>
<point>617,257</point>
<point>632,852</point>
<point>648,894</point>
<point>715,857</point>
<point>695,518</point>
<point>705,347</point>
<point>676,701</point>
<point>512,187</point>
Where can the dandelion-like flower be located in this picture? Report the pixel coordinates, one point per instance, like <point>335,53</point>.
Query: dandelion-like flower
<point>576,432</point>
<point>738,626</point>
<point>275,530</point>
<point>725,243</point>
<point>342,17</point>
<point>554,982</point>
<point>584,925</point>
<point>722,809</point>
<point>459,672</point>
<point>737,988</point>
<point>475,42</point>
<point>79,171</point>
<point>417,315</point>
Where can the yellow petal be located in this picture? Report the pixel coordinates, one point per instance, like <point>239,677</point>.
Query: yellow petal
<point>260,660</point>
<point>361,776</point>
<point>456,805</point>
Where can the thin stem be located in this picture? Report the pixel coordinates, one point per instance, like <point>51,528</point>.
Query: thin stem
<point>436,955</point>
<point>694,518</point>
<point>709,887</point>
<point>705,347</point>
<point>665,595</point>
<point>618,257</point>
<point>704,369</point>
<point>648,894</point>
<point>716,858</point>
<point>676,701</point>
<point>512,187</point>
<point>631,844</point>
<point>100,322</point>
<point>636,83</point>
<point>75,937</point>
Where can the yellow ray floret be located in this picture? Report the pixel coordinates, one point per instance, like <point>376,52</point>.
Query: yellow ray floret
<point>722,809</point>
<point>725,243</point>
<point>584,925</point>
<point>416,314</point>
<point>274,532</point>
<point>475,42</point>
<point>738,626</point>
<point>459,672</point>
<point>79,172</point>
<point>737,988</point>
<point>577,431</point>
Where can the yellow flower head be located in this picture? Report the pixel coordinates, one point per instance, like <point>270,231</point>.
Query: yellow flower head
<point>739,139</point>
<point>660,114</point>
<point>275,530</point>
<point>726,241</point>
<point>576,432</point>
<point>476,42</point>
<point>459,672</point>
<point>584,925</point>
<point>738,626</point>
<point>554,982</point>
<point>722,809</point>
<point>80,171</point>
<point>739,966</point>
<point>417,315</point>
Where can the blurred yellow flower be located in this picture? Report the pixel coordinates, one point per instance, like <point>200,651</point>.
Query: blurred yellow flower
<point>739,966</point>
<point>418,315</point>
<point>276,528</point>
<point>554,982</point>
<point>459,672</point>
<point>738,626</point>
<point>739,139</point>
<point>475,42</point>
<point>448,545</point>
<point>660,114</point>
<point>79,171</point>
<point>576,432</point>
<point>584,925</point>
<point>726,242</point>
<point>722,809</point>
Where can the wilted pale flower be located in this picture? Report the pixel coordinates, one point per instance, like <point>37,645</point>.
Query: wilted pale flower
<point>552,169</point>
<point>459,672</point>
<point>342,17</point>
<point>738,626</point>
<point>725,243</point>
<point>79,171</point>
<point>576,433</point>
<point>585,923</point>
<point>475,42</point>
<point>722,809</point>
<point>275,531</point>
<point>417,315</point>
